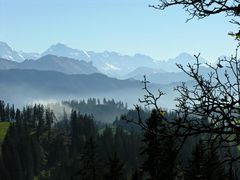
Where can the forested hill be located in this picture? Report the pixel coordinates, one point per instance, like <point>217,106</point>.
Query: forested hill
<point>37,85</point>
<point>103,111</point>
<point>52,80</point>
<point>36,146</point>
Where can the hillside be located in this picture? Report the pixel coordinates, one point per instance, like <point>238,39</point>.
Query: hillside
<point>3,130</point>
<point>26,86</point>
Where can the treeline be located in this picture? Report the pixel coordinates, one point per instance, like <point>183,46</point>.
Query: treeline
<point>96,101</point>
<point>103,110</point>
<point>38,146</point>
<point>7,112</point>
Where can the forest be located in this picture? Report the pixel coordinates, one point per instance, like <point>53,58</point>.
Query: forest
<point>35,144</point>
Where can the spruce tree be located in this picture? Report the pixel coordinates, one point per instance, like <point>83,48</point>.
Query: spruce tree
<point>89,165</point>
<point>115,169</point>
<point>2,111</point>
<point>12,113</point>
<point>106,143</point>
<point>11,156</point>
<point>205,164</point>
<point>7,113</point>
<point>159,150</point>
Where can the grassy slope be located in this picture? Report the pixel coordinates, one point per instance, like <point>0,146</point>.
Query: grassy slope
<point>3,130</point>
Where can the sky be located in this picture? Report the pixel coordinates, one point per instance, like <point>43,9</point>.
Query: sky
<point>124,26</point>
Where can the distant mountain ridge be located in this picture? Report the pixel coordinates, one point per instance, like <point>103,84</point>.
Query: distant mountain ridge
<point>6,52</point>
<point>73,82</point>
<point>52,63</point>
<point>23,86</point>
<point>110,63</point>
<point>140,71</point>
<point>62,50</point>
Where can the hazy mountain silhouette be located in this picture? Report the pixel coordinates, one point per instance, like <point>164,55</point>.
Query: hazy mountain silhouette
<point>54,63</point>
<point>171,77</point>
<point>140,71</point>
<point>25,86</point>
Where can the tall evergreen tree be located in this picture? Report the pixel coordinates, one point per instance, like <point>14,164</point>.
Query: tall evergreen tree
<point>18,118</point>
<point>115,169</point>
<point>11,154</point>
<point>77,140</point>
<point>49,120</point>
<point>106,143</point>
<point>159,150</point>
<point>2,111</point>
<point>7,113</point>
<point>89,164</point>
<point>205,165</point>
<point>12,113</point>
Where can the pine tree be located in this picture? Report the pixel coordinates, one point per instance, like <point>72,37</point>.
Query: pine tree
<point>106,143</point>
<point>38,155</point>
<point>89,165</point>
<point>49,120</point>
<point>39,115</point>
<point>159,150</point>
<point>77,140</point>
<point>204,164</point>
<point>115,169</point>
<point>11,154</point>
<point>18,119</point>
<point>2,111</point>
<point>7,113</point>
<point>12,113</point>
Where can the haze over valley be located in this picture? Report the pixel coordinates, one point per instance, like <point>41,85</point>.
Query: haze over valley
<point>62,72</point>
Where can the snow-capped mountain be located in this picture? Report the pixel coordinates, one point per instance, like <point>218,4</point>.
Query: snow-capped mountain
<point>29,55</point>
<point>63,50</point>
<point>6,52</point>
<point>110,63</point>
<point>118,65</point>
<point>184,59</point>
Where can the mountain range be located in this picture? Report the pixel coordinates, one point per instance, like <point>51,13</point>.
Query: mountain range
<point>66,73</point>
<point>112,64</point>
<point>6,52</point>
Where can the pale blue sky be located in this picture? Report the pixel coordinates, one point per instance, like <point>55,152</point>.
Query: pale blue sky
<point>125,26</point>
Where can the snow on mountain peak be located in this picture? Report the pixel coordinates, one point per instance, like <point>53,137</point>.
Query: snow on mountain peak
<point>109,62</point>
<point>7,52</point>
<point>109,66</point>
<point>86,53</point>
<point>61,49</point>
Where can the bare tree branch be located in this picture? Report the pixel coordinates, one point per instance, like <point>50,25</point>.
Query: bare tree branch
<point>203,8</point>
